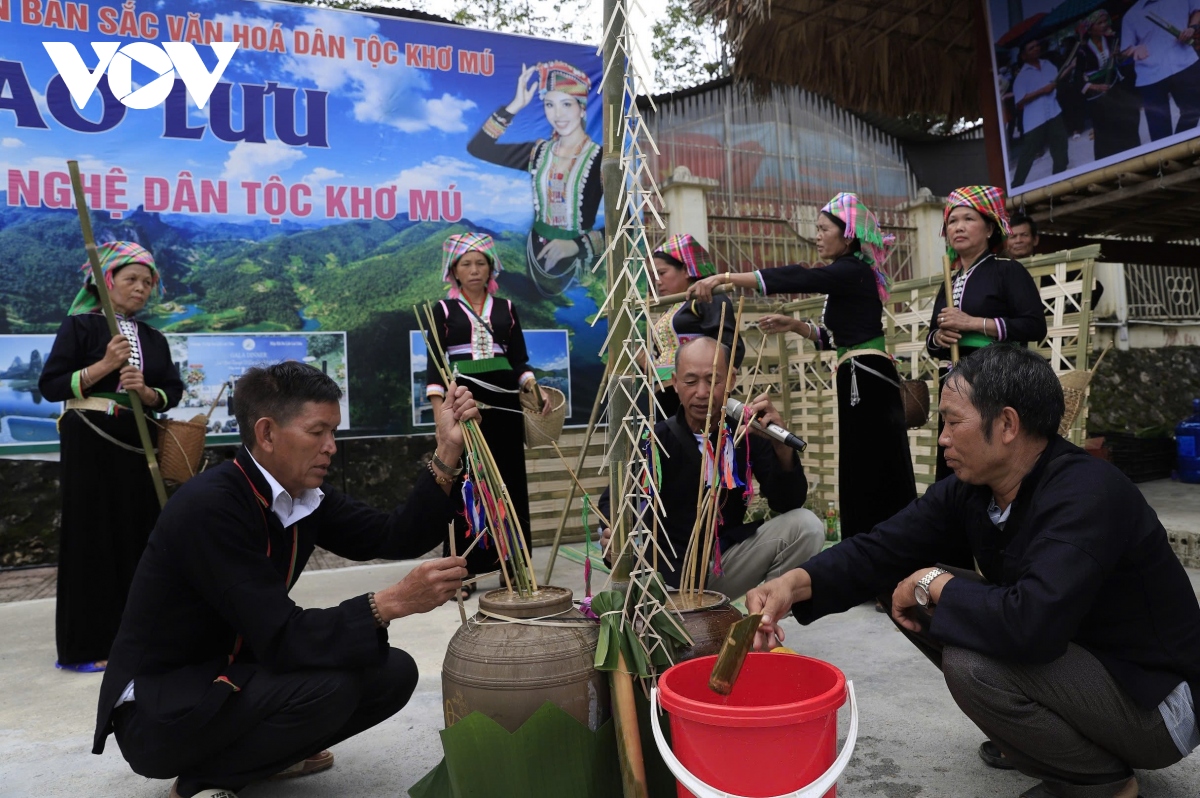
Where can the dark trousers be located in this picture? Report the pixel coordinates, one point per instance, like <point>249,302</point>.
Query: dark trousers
<point>1184,87</point>
<point>1052,134</point>
<point>1067,722</point>
<point>274,721</point>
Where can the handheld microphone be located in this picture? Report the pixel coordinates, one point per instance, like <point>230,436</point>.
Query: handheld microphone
<point>735,411</point>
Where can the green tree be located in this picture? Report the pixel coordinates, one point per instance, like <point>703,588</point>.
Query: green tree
<point>687,48</point>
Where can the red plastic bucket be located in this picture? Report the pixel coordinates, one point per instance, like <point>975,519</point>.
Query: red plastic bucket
<point>775,735</point>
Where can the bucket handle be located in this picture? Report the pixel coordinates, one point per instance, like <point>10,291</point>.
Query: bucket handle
<point>701,790</point>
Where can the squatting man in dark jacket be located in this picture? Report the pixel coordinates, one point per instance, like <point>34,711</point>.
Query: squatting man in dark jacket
<point>217,677</point>
<point>1078,651</point>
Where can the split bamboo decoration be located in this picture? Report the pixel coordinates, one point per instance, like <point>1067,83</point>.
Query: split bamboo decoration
<point>488,506</point>
<point>135,401</point>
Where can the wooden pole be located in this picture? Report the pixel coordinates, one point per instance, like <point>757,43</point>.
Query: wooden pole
<point>949,301</point>
<point>671,299</point>
<point>135,401</point>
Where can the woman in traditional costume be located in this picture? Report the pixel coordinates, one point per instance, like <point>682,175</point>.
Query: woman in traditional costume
<point>565,169</point>
<point>678,263</point>
<point>1107,88</point>
<point>109,504</point>
<point>482,339</point>
<point>875,473</point>
<point>995,298</point>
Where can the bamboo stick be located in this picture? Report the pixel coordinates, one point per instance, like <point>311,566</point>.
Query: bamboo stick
<point>462,611</point>
<point>691,553</point>
<point>949,282</point>
<point>671,299</point>
<point>578,484</point>
<point>135,401</point>
<point>587,441</point>
<point>730,377</point>
<point>629,741</point>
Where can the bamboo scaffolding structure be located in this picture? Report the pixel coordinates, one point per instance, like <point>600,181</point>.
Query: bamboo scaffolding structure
<point>135,401</point>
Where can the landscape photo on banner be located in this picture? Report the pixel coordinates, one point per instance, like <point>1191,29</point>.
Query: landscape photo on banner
<point>310,194</point>
<point>1084,84</point>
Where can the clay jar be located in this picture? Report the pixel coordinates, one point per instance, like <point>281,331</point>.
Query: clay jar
<point>707,617</point>
<point>507,670</point>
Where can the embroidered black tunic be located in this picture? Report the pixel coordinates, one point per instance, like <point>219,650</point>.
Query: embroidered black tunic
<point>500,350</point>
<point>109,504</point>
<point>1000,289</point>
<point>875,473</point>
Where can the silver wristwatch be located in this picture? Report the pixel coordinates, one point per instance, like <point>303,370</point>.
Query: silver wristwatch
<point>921,591</point>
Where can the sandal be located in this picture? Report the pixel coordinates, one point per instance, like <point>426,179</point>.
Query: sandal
<point>84,667</point>
<point>992,756</point>
<point>306,767</point>
<point>466,591</point>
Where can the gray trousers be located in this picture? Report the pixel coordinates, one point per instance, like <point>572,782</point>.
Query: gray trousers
<point>1067,722</point>
<point>784,542</point>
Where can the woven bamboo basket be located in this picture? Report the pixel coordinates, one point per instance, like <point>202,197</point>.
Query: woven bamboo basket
<point>543,430</point>
<point>1074,386</point>
<point>181,447</point>
<point>181,444</point>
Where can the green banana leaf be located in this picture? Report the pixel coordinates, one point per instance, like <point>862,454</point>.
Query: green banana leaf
<point>614,638</point>
<point>552,754</point>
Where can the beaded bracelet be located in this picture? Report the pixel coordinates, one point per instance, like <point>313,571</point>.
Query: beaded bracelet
<point>375,612</point>
<point>438,478</point>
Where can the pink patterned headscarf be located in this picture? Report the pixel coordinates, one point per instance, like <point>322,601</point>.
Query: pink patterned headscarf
<point>687,250</point>
<point>460,244</point>
<point>113,256</point>
<point>987,201</point>
<point>874,244</point>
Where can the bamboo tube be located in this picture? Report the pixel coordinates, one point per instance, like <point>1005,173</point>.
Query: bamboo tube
<point>629,741</point>
<point>671,299</point>
<point>135,401</point>
<point>949,301</point>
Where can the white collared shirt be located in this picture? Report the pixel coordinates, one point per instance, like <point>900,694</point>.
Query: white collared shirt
<point>1164,55</point>
<point>289,509</point>
<point>1039,111</point>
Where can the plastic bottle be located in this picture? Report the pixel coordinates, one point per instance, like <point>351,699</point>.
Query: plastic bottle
<point>833,524</point>
<point>1187,446</point>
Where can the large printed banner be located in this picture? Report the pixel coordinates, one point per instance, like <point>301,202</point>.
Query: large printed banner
<point>1082,85</point>
<point>334,153</point>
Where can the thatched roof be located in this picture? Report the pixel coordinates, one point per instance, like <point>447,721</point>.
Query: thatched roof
<point>893,57</point>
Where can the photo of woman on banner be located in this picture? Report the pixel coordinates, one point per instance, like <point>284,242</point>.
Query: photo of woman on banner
<point>565,169</point>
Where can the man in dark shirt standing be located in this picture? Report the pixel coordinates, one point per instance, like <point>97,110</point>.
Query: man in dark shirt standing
<point>1078,652</point>
<point>216,676</point>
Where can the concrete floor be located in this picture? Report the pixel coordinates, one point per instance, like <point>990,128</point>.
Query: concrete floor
<point>913,739</point>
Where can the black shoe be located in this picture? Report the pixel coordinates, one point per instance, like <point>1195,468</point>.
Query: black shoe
<point>989,752</point>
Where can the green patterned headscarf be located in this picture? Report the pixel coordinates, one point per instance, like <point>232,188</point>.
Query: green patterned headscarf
<point>113,256</point>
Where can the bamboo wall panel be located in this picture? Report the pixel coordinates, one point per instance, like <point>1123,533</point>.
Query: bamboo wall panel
<point>801,382</point>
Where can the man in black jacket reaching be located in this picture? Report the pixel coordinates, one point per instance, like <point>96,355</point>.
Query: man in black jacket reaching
<point>1078,652</point>
<point>217,677</point>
